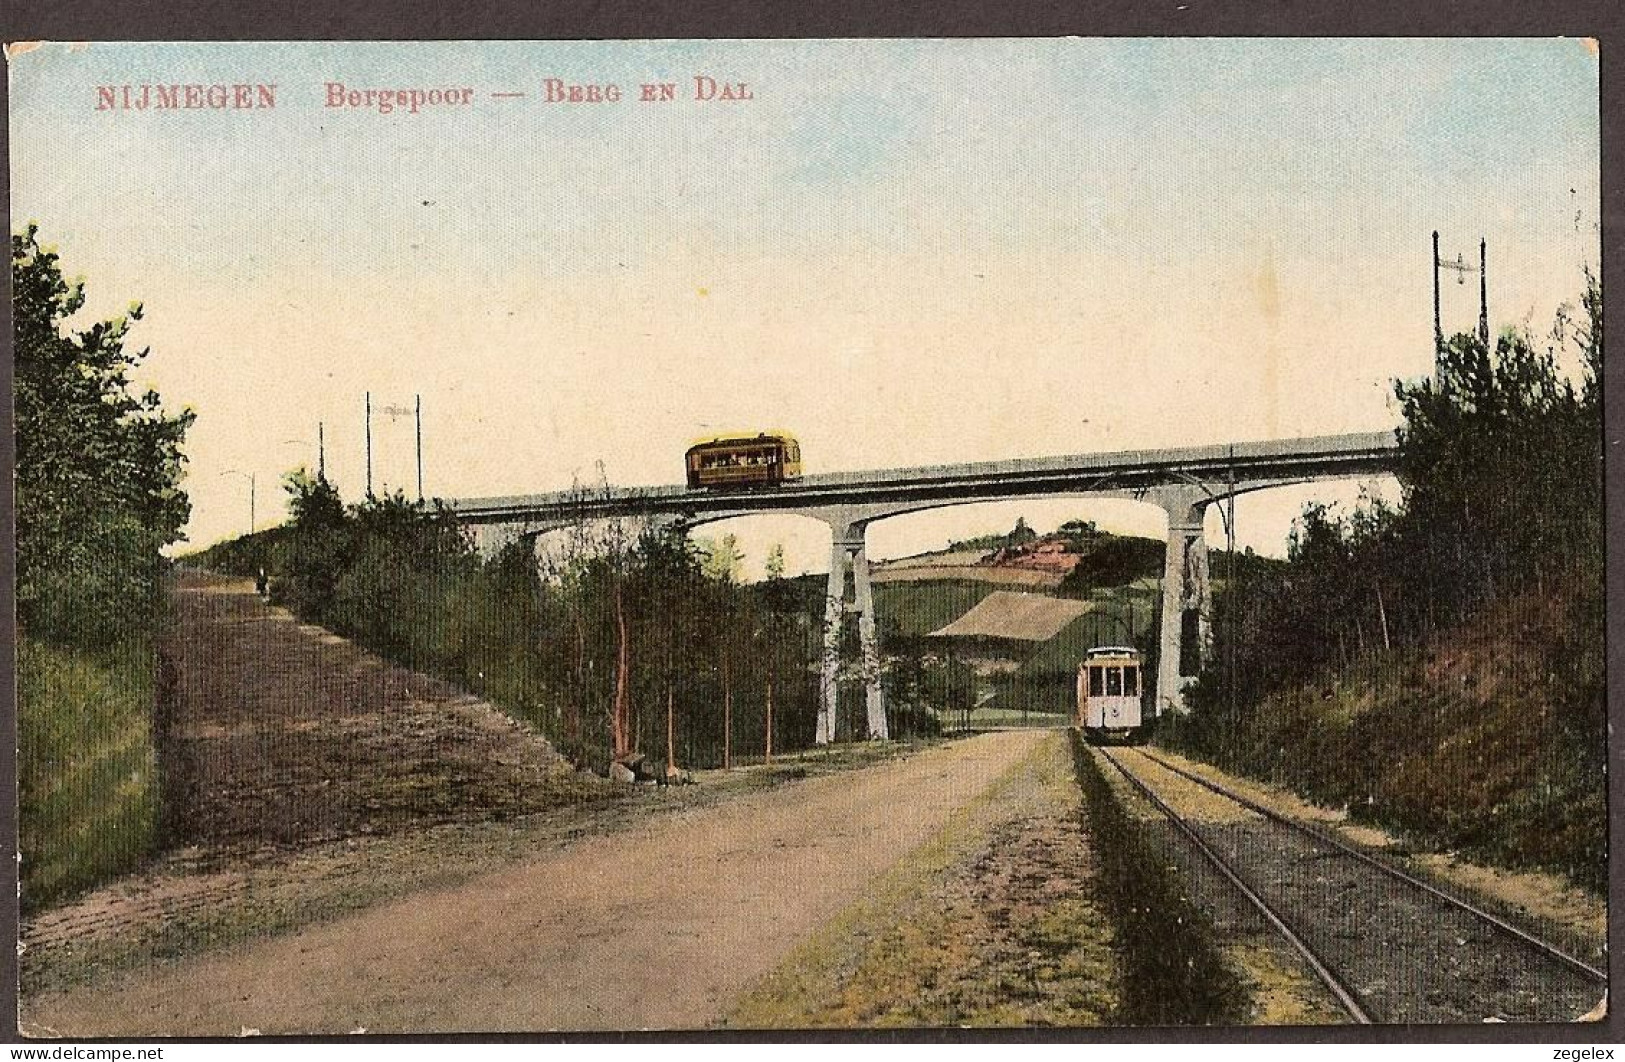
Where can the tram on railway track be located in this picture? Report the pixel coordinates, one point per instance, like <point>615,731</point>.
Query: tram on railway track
<point>764,459</point>
<point>1111,696</point>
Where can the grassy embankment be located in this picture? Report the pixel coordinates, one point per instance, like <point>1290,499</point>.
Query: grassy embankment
<point>1487,740</point>
<point>1172,970</point>
<point>1013,915</point>
<point>88,785</point>
<point>995,921</point>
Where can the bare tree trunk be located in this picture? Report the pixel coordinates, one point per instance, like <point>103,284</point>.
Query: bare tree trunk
<point>768,742</point>
<point>671,730</point>
<point>578,697</point>
<point>619,713</point>
<point>1382,614</point>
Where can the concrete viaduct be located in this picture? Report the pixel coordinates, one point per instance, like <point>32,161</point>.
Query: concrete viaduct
<point>1183,482</point>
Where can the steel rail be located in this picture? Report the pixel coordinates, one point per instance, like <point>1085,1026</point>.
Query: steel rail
<point>1345,997</point>
<point>1549,950</point>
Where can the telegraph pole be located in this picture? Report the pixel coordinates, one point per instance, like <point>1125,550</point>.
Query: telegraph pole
<point>369,444</point>
<point>420,446</point>
<point>1438,327</point>
<point>1461,269</point>
<point>1483,294</point>
<point>321,452</point>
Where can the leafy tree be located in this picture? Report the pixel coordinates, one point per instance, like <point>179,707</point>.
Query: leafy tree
<point>1112,560</point>
<point>98,468</point>
<point>666,597</point>
<point>318,548</point>
<point>721,558</point>
<point>1499,535</point>
<point>97,476</point>
<point>949,685</point>
<point>775,606</point>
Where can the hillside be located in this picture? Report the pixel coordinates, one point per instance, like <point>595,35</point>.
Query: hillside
<point>1071,560</point>
<point>1115,577</point>
<point>1462,743</point>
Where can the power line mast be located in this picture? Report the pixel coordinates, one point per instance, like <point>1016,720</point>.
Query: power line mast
<point>393,412</point>
<point>369,444</point>
<point>1461,269</point>
<point>1438,327</point>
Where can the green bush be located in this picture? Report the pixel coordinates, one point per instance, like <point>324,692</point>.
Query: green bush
<point>402,579</point>
<point>1438,666</point>
<point>98,472</point>
<point>244,556</point>
<point>1487,740</point>
<point>88,787</point>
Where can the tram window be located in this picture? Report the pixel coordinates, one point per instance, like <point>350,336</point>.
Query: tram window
<point>1114,682</point>
<point>1131,682</point>
<point>1097,687</point>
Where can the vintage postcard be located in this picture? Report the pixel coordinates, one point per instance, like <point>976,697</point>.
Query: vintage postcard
<point>582,536</point>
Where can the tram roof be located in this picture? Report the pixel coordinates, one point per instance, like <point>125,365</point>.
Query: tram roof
<point>739,438</point>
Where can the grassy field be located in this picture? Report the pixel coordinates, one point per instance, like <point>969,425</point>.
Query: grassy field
<point>1044,680</point>
<point>88,787</point>
<point>916,608</point>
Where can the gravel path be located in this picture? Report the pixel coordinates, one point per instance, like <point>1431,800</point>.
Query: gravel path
<point>658,927</point>
<point>1409,956</point>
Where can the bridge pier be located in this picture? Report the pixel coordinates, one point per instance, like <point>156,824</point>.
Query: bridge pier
<point>1185,640</point>
<point>1183,481</point>
<point>849,557</point>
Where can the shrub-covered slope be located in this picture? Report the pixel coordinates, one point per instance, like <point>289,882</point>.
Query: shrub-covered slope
<point>1488,739</point>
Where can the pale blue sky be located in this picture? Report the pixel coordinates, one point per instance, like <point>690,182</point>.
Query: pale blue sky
<point>906,251</point>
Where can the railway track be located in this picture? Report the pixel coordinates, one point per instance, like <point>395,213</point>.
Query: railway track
<point>1390,947</point>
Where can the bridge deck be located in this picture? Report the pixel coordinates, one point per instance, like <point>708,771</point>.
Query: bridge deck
<point>1285,460</point>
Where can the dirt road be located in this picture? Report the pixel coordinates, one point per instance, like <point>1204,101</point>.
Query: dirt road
<point>662,926</point>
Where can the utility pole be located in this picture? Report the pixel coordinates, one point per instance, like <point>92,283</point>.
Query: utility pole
<point>369,444</point>
<point>1233,600</point>
<point>1461,269</point>
<point>1438,327</point>
<point>420,446</point>
<point>321,452</point>
<point>1483,294</point>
